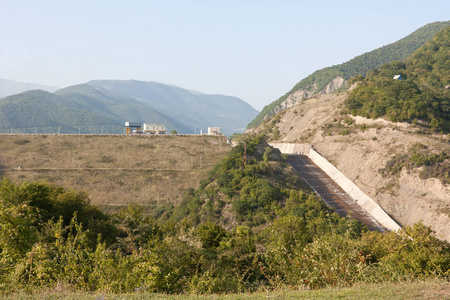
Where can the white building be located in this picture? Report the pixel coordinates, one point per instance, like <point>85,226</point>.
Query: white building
<point>213,131</point>
<point>154,128</point>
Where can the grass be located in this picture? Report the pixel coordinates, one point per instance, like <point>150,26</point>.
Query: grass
<point>113,170</point>
<point>436,289</point>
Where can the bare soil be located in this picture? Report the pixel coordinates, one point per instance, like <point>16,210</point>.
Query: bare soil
<point>360,151</point>
<point>114,170</point>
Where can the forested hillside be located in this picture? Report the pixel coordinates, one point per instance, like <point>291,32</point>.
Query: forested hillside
<point>360,65</point>
<point>246,228</point>
<point>118,107</point>
<point>421,95</point>
<point>45,112</point>
<point>104,106</point>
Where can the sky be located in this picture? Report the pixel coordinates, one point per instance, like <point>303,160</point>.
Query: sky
<point>254,50</point>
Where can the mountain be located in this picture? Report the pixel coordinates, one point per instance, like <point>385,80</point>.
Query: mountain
<point>121,108</point>
<point>389,136</point>
<point>333,78</point>
<point>104,106</point>
<point>10,87</point>
<point>194,109</point>
<point>45,112</point>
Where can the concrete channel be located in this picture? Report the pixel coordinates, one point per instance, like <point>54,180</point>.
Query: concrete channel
<point>346,193</point>
<point>331,193</point>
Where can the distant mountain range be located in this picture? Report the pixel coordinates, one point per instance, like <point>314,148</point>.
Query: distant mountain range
<point>333,78</point>
<point>11,87</point>
<point>104,105</point>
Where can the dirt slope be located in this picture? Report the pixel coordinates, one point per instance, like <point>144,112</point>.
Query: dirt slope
<point>114,170</point>
<point>359,147</point>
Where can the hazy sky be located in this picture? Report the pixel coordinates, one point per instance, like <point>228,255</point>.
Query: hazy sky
<point>255,50</point>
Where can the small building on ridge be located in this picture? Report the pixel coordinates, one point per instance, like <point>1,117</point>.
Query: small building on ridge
<point>214,131</point>
<point>154,128</point>
<point>132,127</point>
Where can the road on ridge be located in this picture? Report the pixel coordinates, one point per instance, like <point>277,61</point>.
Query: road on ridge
<point>331,193</point>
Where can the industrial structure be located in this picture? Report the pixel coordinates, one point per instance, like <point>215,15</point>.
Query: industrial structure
<point>214,131</point>
<point>154,128</point>
<point>133,127</point>
<point>138,128</point>
<point>158,129</point>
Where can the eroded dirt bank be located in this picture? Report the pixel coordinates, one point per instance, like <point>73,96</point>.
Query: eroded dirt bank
<point>359,147</point>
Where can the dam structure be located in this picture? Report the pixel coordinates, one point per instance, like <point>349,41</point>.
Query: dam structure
<point>335,188</point>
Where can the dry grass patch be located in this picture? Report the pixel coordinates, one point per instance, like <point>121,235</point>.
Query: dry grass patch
<point>114,170</point>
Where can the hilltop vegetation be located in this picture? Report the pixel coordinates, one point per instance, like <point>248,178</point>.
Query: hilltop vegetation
<point>244,229</point>
<point>420,96</point>
<point>360,65</point>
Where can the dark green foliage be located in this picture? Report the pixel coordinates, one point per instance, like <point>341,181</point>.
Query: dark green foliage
<point>359,65</point>
<point>135,229</point>
<point>421,95</point>
<point>211,235</point>
<point>45,202</point>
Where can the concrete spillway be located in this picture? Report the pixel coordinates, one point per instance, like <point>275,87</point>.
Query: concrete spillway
<point>338,182</point>
<point>331,193</point>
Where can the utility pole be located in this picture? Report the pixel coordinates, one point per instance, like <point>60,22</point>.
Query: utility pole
<point>245,154</point>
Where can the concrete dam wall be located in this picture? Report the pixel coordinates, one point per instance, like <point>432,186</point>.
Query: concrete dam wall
<point>346,184</point>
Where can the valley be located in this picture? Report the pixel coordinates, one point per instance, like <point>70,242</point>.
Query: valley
<point>342,182</point>
<point>102,106</point>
